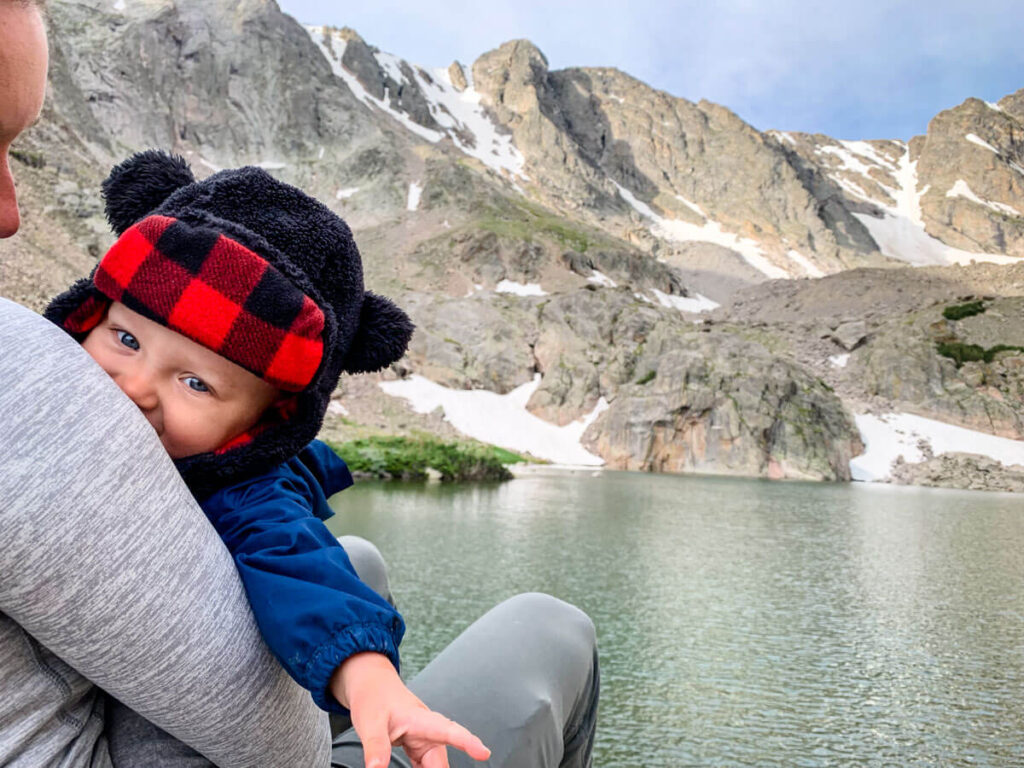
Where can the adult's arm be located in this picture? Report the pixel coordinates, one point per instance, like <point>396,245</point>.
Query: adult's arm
<point>107,561</point>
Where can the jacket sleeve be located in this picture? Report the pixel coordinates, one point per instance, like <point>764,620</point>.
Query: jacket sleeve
<point>311,608</point>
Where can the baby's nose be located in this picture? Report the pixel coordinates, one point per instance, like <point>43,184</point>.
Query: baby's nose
<point>139,387</point>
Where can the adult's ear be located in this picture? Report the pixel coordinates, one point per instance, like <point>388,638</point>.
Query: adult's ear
<point>381,338</point>
<point>141,183</point>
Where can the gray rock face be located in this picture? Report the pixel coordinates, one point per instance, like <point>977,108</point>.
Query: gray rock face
<point>580,128</point>
<point>720,404</point>
<point>973,161</point>
<point>457,74</point>
<point>849,335</point>
<point>903,365</point>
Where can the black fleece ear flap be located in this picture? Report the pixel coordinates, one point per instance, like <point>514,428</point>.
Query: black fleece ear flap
<point>139,184</point>
<point>381,338</point>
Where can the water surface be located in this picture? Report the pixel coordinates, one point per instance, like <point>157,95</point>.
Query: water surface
<point>740,622</point>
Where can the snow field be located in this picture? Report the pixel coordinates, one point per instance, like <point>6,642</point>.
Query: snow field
<point>501,420</point>
<point>897,434</point>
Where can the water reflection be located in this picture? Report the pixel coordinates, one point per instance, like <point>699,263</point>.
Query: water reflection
<point>740,622</point>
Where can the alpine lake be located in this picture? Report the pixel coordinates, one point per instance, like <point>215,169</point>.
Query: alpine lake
<point>740,622</point>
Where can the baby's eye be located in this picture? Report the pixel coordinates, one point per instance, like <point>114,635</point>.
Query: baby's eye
<point>128,340</point>
<point>194,382</point>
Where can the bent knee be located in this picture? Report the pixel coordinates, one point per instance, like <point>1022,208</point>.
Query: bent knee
<point>551,614</point>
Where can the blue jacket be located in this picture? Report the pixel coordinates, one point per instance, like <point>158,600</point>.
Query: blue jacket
<point>312,609</point>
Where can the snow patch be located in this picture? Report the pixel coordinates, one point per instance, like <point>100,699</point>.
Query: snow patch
<point>840,361</point>
<point>119,5</point>
<point>692,206</point>
<point>601,279</point>
<point>345,194</point>
<point>900,232</point>
<point>961,189</point>
<point>337,408</point>
<point>892,435</point>
<point>974,139</point>
<point>460,114</point>
<point>993,105</point>
<point>413,200</point>
<point>271,165</point>
<point>783,136</point>
<point>501,419</point>
<point>520,289</point>
<point>684,303</point>
<point>709,232</point>
<point>320,154</point>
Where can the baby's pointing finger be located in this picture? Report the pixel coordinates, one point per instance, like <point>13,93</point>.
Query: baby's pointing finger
<point>444,731</point>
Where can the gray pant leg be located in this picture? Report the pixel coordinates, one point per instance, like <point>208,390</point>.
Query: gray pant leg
<point>110,565</point>
<point>524,678</point>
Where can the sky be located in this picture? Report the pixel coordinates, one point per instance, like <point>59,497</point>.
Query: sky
<point>851,70</point>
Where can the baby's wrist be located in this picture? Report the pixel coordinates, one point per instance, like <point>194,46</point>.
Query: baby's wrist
<point>367,668</point>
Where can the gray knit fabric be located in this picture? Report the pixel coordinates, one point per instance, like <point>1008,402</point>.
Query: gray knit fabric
<point>108,563</point>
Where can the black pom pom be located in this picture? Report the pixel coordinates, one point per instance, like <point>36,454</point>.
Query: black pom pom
<point>381,338</point>
<point>139,184</point>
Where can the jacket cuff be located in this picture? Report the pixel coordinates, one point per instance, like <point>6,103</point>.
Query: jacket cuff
<point>354,639</point>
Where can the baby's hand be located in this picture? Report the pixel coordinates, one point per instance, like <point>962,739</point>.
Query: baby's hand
<point>385,712</point>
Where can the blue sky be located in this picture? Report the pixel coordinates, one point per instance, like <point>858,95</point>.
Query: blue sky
<point>861,70</point>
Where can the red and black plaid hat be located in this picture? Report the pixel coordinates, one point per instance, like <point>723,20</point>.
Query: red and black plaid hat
<point>253,269</point>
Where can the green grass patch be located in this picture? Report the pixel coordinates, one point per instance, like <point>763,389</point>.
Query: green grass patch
<point>647,377</point>
<point>31,159</point>
<point>960,311</point>
<point>408,458</point>
<point>961,353</point>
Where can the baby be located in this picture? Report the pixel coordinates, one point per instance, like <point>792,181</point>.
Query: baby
<point>227,311</point>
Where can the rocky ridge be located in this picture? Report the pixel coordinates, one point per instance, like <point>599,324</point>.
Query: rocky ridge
<point>630,211</point>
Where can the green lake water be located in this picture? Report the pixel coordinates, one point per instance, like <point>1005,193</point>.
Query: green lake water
<point>740,622</point>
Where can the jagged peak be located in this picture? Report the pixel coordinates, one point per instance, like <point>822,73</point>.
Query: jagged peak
<point>519,50</point>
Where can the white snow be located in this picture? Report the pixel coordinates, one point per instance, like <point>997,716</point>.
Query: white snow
<point>337,408</point>
<point>643,298</point>
<point>520,289</point>
<point>851,161</point>
<point>119,5</point>
<point>345,194</point>
<point>974,139</point>
<point>993,105</point>
<point>685,304</point>
<point>320,154</point>
<point>271,165</point>
<point>840,361</point>
<point>501,419</point>
<point>413,200</point>
<point>692,206</point>
<point>900,232</point>
<point>961,189</point>
<point>709,232</point>
<point>460,114</point>
<point>865,149</point>
<point>783,136</point>
<point>892,435</point>
<point>601,279</point>
<point>808,267</point>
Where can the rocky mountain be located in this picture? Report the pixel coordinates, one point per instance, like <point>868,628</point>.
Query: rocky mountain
<point>709,297</point>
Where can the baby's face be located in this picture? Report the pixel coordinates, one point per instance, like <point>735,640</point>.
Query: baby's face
<point>195,399</point>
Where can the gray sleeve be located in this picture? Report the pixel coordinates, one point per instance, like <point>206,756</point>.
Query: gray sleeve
<point>109,562</point>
